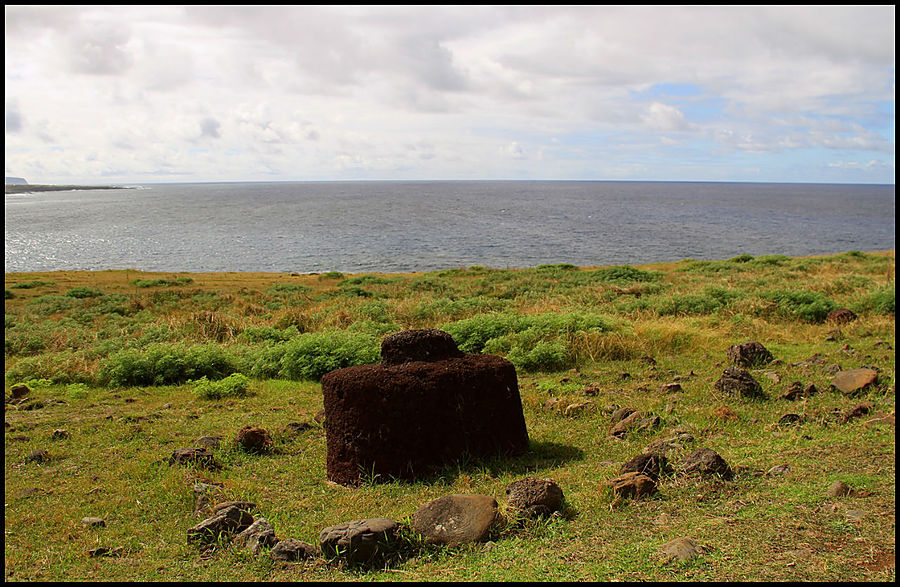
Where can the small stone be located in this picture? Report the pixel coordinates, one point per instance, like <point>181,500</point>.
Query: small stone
<point>857,412</point>
<point>650,464</point>
<point>38,456</point>
<point>671,388</point>
<point>296,428</point>
<point>104,551</point>
<point>737,381</point>
<point>91,522</point>
<point>19,391</point>
<point>779,470</point>
<point>840,316</point>
<point>292,550</point>
<point>575,409</point>
<point>789,419</point>
<point>254,439</point>
<point>591,391</point>
<point>59,434</point>
<point>839,489</point>
<point>632,485</point>
<point>748,354</point>
<point>680,549</point>
<point>705,462</point>
<point>257,536</point>
<point>225,522</point>
<point>211,442</point>
<point>200,456</point>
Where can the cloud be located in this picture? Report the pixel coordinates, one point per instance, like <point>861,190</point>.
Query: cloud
<point>315,91</point>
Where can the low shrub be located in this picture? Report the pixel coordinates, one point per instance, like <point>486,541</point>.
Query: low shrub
<point>806,305</point>
<point>235,385</point>
<point>312,355</point>
<point>82,292</point>
<point>165,364</point>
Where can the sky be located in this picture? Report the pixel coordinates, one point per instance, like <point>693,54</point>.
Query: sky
<point>147,94</point>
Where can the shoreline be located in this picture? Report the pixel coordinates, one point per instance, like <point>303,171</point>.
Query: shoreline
<point>473,268</point>
<point>37,188</point>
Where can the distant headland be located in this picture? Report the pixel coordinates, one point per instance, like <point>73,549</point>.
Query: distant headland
<point>18,185</point>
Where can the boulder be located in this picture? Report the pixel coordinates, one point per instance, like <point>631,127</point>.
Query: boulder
<point>534,497</point>
<point>364,542</point>
<point>424,406</point>
<point>748,354</point>
<point>200,456</point>
<point>737,381</point>
<point>454,520</point>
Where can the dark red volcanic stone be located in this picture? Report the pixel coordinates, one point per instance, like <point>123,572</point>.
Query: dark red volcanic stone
<point>406,418</point>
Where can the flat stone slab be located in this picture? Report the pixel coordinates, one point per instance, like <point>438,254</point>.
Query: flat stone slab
<point>454,520</point>
<point>854,380</point>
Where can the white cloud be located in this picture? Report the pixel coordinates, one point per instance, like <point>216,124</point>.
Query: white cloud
<point>454,91</point>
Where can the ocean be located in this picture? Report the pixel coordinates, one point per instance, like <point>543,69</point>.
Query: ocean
<point>410,226</point>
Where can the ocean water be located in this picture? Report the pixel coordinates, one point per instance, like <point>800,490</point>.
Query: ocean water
<point>405,226</point>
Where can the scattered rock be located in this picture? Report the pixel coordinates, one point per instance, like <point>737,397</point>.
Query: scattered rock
<point>749,354</point>
<point>211,442</point>
<point>779,470</point>
<point>360,542</point>
<point>454,520</point>
<point>296,428</point>
<point>839,489</point>
<point>92,522</point>
<point>840,316</point>
<point>225,522</point>
<point>797,391</point>
<point>706,462</point>
<point>292,550</point>
<point>19,391</point>
<point>652,465</point>
<point>675,443</point>
<point>738,381</point>
<point>725,413</point>
<point>534,497</point>
<point>105,551</point>
<point>257,536</point>
<point>632,485</point>
<point>635,421</point>
<point>789,419</point>
<point>680,549</point>
<point>254,439</point>
<point>205,495</point>
<point>857,412</point>
<point>854,380</point>
<point>59,434</point>
<point>591,391</point>
<point>671,388</point>
<point>576,408</point>
<point>38,456</point>
<point>199,456</point>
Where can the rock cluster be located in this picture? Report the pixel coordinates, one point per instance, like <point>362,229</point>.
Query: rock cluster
<point>425,405</point>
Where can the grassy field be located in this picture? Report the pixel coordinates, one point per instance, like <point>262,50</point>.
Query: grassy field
<point>131,365</point>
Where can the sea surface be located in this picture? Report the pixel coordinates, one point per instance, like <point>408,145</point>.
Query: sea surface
<point>407,226</point>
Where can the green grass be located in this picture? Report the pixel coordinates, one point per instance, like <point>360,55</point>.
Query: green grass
<point>134,365</point>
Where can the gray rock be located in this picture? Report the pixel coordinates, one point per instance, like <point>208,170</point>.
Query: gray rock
<point>360,542</point>
<point>292,550</point>
<point>454,520</point>
<point>224,523</point>
<point>257,536</point>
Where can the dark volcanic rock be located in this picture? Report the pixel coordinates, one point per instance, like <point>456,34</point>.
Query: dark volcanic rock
<point>738,381</point>
<point>225,522</point>
<point>748,354</point>
<point>254,439</point>
<point>406,419</point>
<point>418,345</point>
<point>840,316</point>
<point>706,461</point>
<point>633,485</point>
<point>292,550</point>
<point>200,456</point>
<point>650,464</point>
<point>534,497</point>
